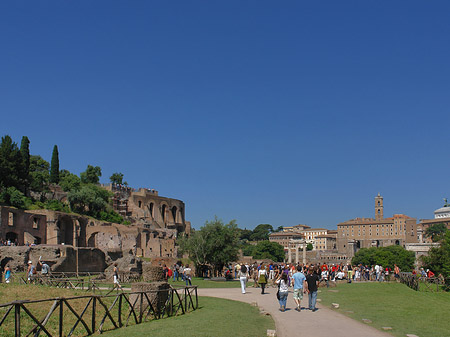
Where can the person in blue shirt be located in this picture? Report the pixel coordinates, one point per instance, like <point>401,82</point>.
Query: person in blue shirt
<point>299,285</point>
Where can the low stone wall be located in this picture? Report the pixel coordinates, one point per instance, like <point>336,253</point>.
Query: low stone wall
<point>152,273</point>
<point>158,293</point>
<point>60,258</point>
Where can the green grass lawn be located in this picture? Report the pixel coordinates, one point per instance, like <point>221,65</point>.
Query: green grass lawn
<point>215,317</point>
<point>201,283</point>
<point>407,311</point>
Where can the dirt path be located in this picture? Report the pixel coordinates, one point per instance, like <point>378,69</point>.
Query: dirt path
<point>322,323</point>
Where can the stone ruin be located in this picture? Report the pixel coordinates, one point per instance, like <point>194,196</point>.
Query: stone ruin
<point>155,284</point>
<point>60,258</point>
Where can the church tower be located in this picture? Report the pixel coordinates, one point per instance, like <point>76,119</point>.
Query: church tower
<point>378,207</point>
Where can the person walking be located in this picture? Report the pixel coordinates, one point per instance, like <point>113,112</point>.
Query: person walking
<point>243,275</point>
<point>283,291</point>
<point>299,280</point>
<point>312,281</point>
<point>262,278</point>
<point>187,275</point>
<point>31,271</point>
<point>7,274</point>
<point>116,277</point>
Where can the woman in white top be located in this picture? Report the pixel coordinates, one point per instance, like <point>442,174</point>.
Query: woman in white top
<point>283,290</point>
<point>243,275</point>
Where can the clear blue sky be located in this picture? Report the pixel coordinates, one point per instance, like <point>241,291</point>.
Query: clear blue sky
<point>259,111</point>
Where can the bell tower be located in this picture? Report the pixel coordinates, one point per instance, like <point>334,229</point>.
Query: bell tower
<point>378,207</point>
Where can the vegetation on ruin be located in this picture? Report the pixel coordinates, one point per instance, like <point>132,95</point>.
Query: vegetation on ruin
<point>26,181</point>
<point>214,317</point>
<point>392,305</point>
<point>386,257</point>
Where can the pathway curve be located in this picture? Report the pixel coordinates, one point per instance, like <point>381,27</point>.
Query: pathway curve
<point>322,323</point>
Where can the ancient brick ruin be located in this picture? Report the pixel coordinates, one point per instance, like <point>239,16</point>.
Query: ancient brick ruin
<point>155,224</point>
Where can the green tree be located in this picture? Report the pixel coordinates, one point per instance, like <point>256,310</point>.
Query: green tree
<point>386,257</point>
<point>10,164</point>
<point>261,232</point>
<point>244,234</point>
<point>54,168</point>
<point>25,167</point>
<point>309,246</point>
<point>436,232</point>
<point>269,250</point>
<point>13,197</point>
<point>438,259</point>
<point>89,199</point>
<point>116,178</point>
<point>69,181</point>
<point>215,244</point>
<point>91,175</point>
<point>39,174</point>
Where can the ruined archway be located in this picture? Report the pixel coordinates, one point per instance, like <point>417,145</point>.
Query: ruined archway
<point>151,206</point>
<point>174,214</point>
<point>12,237</point>
<point>163,212</point>
<point>92,241</point>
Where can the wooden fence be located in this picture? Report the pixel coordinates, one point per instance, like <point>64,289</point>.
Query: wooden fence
<point>86,315</point>
<point>416,282</point>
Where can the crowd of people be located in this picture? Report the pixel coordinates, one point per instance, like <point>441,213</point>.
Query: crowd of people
<point>305,279</point>
<point>178,271</point>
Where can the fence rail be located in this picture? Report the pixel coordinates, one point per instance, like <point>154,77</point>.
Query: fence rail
<point>86,315</point>
<point>433,284</point>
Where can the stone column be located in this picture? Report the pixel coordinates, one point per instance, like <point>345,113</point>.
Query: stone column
<point>304,253</point>
<point>289,254</point>
<point>297,246</point>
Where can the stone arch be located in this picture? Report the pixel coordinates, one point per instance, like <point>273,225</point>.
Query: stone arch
<point>174,211</point>
<point>151,207</point>
<point>92,241</point>
<point>12,236</point>
<point>37,240</point>
<point>397,242</point>
<point>163,212</point>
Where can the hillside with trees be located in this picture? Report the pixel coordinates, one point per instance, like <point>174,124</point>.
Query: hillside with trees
<point>27,182</point>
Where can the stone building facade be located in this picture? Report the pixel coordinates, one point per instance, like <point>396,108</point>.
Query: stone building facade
<point>22,227</point>
<point>359,233</point>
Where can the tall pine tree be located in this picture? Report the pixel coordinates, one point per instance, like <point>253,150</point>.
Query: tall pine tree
<point>54,168</point>
<point>10,163</point>
<point>25,154</point>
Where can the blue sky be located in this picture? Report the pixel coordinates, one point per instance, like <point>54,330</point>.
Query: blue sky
<point>259,111</point>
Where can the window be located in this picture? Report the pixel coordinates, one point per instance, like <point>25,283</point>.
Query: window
<point>35,222</point>
<point>11,218</point>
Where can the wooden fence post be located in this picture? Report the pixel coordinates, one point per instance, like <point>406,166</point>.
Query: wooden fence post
<point>61,317</point>
<point>17,319</point>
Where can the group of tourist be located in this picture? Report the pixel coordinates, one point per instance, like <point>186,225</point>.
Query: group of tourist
<point>305,279</point>
<point>177,271</point>
<point>31,272</point>
<point>8,243</point>
<point>283,276</point>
